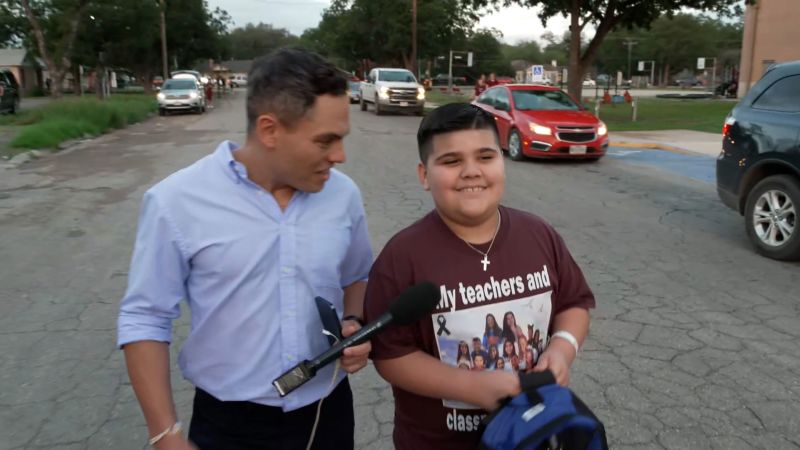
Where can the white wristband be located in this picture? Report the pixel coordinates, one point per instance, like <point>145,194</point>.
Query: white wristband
<point>174,429</point>
<point>566,335</point>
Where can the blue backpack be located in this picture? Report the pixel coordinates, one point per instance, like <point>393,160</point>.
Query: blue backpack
<point>545,416</point>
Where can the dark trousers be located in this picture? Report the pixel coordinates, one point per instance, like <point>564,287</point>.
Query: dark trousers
<point>218,425</point>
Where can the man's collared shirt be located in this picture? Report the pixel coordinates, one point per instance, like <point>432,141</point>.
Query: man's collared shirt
<point>249,272</point>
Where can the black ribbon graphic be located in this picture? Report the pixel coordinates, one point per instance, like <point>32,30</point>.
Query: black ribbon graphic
<point>442,328</point>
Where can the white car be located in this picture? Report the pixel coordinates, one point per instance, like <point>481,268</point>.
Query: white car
<point>181,94</point>
<point>239,80</point>
<point>392,89</point>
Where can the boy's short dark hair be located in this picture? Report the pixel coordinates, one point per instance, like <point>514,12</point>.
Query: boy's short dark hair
<point>448,118</point>
<point>475,339</point>
<point>287,82</point>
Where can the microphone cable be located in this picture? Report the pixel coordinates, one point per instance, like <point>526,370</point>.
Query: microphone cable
<point>330,388</point>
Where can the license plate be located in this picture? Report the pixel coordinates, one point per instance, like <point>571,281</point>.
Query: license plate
<point>577,149</point>
<point>403,103</point>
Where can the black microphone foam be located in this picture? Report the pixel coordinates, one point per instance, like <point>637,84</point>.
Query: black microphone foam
<point>414,303</point>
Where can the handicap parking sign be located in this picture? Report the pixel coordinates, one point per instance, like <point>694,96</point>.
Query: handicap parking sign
<point>537,73</point>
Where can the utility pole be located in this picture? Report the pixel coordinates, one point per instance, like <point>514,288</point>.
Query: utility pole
<point>164,63</point>
<point>629,43</point>
<point>414,38</point>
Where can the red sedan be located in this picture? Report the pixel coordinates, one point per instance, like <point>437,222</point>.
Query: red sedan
<point>543,122</point>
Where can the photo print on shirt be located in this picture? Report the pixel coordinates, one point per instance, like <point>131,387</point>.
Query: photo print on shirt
<point>509,335</point>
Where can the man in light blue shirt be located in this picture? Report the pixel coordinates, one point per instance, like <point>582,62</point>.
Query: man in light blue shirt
<point>249,236</point>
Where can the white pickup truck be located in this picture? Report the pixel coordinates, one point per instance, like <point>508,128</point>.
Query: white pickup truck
<point>392,90</point>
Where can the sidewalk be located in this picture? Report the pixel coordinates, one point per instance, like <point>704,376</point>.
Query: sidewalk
<point>679,141</point>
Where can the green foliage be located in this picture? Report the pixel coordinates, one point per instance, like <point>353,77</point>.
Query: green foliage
<point>380,30</point>
<point>253,41</point>
<point>72,118</point>
<point>674,42</point>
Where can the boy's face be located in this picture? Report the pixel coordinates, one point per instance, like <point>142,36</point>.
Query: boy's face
<point>465,174</point>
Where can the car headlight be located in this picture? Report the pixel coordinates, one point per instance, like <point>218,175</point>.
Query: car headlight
<point>420,93</point>
<point>383,92</point>
<point>160,96</point>
<point>602,130</point>
<point>540,129</point>
<point>193,95</point>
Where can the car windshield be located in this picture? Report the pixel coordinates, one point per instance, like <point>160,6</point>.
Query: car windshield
<point>543,101</point>
<point>396,75</point>
<point>178,84</point>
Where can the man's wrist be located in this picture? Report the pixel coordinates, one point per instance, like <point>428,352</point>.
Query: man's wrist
<point>354,318</point>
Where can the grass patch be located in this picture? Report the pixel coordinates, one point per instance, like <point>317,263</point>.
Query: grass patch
<point>667,114</point>
<point>443,98</point>
<point>72,118</point>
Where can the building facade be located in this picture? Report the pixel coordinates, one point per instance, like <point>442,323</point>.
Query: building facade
<point>771,35</point>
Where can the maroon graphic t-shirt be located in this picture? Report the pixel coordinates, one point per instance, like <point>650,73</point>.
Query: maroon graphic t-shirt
<point>495,312</point>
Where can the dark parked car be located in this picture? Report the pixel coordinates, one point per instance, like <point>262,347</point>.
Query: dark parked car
<point>758,171</point>
<point>9,92</point>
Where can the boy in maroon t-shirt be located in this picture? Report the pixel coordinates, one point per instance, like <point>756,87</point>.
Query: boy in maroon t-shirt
<point>501,272</point>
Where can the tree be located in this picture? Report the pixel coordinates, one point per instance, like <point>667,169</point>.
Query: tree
<point>253,41</point>
<point>54,25</point>
<point>605,16</point>
<point>380,30</point>
<point>673,43</point>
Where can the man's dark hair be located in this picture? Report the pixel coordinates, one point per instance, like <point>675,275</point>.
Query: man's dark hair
<point>448,118</point>
<point>287,82</point>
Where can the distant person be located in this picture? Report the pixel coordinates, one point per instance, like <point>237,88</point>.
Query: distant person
<point>480,86</point>
<point>492,80</point>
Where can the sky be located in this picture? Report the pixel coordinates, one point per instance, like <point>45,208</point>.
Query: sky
<point>516,23</point>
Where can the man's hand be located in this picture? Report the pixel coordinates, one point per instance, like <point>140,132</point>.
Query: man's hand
<point>354,358</point>
<point>174,442</point>
<point>558,357</point>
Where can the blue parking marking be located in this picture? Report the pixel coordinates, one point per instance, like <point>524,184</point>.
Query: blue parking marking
<point>697,167</point>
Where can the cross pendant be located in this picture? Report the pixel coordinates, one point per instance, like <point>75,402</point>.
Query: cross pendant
<point>485,262</point>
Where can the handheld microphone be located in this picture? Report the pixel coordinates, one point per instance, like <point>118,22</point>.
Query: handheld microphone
<point>407,308</point>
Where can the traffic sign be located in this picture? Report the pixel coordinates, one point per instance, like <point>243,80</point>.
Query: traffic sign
<point>537,73</point>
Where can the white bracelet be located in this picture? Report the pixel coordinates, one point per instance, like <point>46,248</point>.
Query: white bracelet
<point>566,335</point>
<point>174,429</point>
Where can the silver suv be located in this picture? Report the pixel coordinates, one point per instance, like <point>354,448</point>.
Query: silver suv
<point>181,94</point>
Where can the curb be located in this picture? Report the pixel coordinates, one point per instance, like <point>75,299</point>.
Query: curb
<point>654,146</point>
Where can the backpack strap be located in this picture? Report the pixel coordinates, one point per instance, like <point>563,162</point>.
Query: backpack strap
<point>531,382</point>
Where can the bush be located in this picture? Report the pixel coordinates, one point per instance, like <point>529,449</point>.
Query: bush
<point>65,119</point>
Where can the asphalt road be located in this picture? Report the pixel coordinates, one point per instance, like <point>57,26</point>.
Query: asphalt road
<point>693,343</point>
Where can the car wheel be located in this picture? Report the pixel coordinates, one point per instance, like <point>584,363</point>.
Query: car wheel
<point>515,146</point>
<point>162,112</point>
<point>363,104</point>
<point>378,110</point>
<point>420,112</point>
<point>771,217</point>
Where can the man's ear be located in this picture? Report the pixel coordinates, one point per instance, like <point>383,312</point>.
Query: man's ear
<point>422,173</point>
<point>267,129</point>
